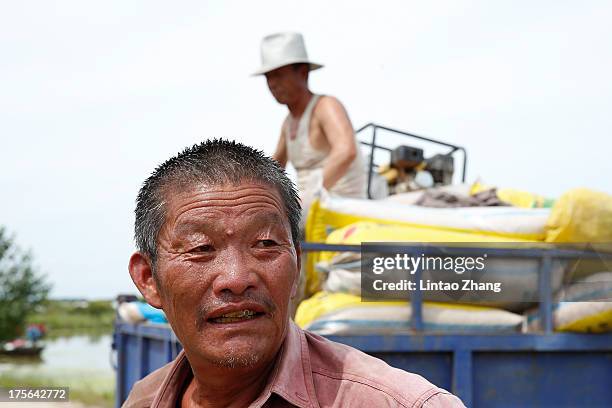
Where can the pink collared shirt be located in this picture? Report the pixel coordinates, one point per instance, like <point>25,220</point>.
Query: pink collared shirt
<point>311,372</point>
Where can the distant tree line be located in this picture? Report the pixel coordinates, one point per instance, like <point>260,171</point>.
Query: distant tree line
<point>22,288</point>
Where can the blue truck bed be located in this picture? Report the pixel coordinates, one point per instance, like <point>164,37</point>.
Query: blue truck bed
<point>518,370</point>
<point>545,369</point>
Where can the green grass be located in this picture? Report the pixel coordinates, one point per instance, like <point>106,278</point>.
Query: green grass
<point>90,391</point>
<point>61,315</point>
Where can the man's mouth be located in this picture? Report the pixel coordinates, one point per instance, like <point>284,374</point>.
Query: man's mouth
<point>238,316</point>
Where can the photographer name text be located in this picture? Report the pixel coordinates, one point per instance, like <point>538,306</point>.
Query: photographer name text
<point>466,285</point>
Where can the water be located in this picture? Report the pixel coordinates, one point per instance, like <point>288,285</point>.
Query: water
<point>80,361</point>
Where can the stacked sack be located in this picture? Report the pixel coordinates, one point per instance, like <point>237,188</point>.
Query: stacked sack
<point>140,312</point>
<point>336,308</point>
<point>328,313</point>
<point>584,306</point>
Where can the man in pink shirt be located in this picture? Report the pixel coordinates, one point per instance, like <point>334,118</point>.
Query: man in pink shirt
<point>217,231</point>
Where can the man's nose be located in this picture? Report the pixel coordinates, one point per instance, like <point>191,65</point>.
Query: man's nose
<point>237,273</point>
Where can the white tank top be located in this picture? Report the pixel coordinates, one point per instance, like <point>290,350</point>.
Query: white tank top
<point>309,162</point>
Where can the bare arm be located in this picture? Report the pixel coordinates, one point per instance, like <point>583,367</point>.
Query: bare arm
<point>280,155</point>
<point>338,131</point>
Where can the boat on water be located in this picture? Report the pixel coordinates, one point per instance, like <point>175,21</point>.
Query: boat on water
<point>33,351</point>
<point>21,347</point>
<point>30,346</point>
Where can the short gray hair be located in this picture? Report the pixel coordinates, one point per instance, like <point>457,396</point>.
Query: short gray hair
<point>212,163</point>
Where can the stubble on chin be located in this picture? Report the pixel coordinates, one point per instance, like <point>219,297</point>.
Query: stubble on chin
<point>234,360</point>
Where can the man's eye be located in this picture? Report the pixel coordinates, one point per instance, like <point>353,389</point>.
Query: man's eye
<point>266,243</point>
<point>202,248</point>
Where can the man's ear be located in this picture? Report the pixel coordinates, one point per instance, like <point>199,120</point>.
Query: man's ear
<point>142,275</point>
<point>296,281</point>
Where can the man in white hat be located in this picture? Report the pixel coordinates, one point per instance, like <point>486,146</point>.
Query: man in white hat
<point>317,136</point>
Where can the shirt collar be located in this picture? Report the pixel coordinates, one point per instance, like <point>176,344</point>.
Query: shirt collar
<point>291,377</point>
<point>293,380</point>
<point>172,386</point>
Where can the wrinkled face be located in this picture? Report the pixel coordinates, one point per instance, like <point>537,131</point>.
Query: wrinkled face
<point>286,83</point>
<point>227,268</point>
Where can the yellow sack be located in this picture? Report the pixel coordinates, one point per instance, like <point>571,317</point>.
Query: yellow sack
<point>584,306</point>
<point>578,317</point>
<point>514,225</point>
<point>596,319</point>
<point>322,303</point>
<point>341,313</point>
<point>580,216</point>
<point>516,198</point>
<point>523,199</point>
<point>373,232</point>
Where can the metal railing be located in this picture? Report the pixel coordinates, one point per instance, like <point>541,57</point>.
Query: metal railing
<point>543,254</point>
<point>373,147</point>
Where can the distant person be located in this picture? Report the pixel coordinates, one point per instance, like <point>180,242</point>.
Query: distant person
<point>317,136</point>
<point>218,250</point>
<point>35,332</point>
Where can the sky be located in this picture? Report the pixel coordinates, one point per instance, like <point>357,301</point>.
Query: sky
<point>95,94</point>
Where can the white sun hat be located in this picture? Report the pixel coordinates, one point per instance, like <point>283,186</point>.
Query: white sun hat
<point>280,49</point>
